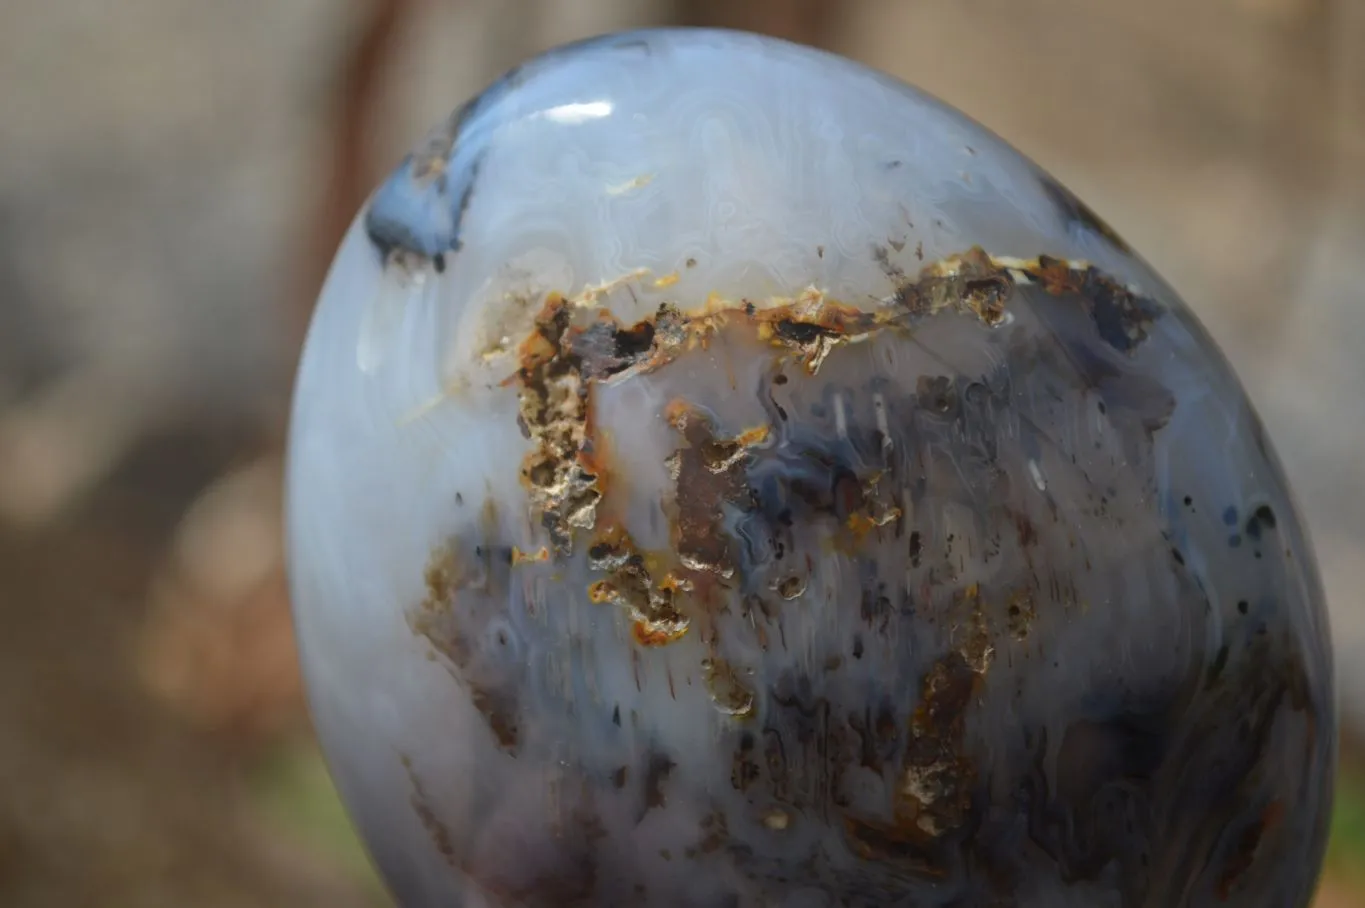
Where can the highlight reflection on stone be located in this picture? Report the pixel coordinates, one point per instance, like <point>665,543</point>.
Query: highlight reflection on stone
<point>723,476</point>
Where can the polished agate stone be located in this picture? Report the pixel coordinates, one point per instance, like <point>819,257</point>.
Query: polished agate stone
<point>722,475</point>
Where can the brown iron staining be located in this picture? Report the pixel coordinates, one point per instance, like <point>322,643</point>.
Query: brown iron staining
<point>561,363</point>
<point>566,880</point>
<point>971,631</point>
<point>715,834</point>
<point>658,769</point>
<point>980,284</point>
<point>431,158</point>
<point>437,831</point>
<point>540,555</point>
<point>446,618</point>
<point>934,792</point>
<point>442,577</point>
<point>933,785</point>
<point>1020,614</point>
<point>869,504</point>
<point>1122,317</point>
<point>936,394</point>
<point>813,326</point>
<point>1248,847</point>
<point>608,349</point>
<point>555,403</point>
<point>972,282</point>
<point>652,606</point>
<point>790,587</point>
<point>728,691</point>
<point>708,473</point>
<point>810,324</point>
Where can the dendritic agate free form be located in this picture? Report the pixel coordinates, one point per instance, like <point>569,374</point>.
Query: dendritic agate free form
<point>724,476</point>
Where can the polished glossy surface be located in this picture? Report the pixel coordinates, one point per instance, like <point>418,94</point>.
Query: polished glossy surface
<point>721,475</point>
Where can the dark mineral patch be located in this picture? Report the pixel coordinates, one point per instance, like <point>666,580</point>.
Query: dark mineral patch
<point>709,474</point>
<point>813,327</point>
<point>729,691</point>
<point>651,604</point>
<point>658,768</point>
<point>935,788</point>
<point>606,348</point>
<point>440,835</point>
<point>937,394</point>
<point>460,617</point>
<point>1261,520</point>
<point>416,213</point>
<point>555,409</point>
<point>1020,614</point>
<point>499,710</point>
<point>810,745</point>
<point>1123,318</point>
<point>744,770</point>
<point>1248,845</point>
<point>972,282</point>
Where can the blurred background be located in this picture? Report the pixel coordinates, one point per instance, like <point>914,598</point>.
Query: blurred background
<point>174,175</point>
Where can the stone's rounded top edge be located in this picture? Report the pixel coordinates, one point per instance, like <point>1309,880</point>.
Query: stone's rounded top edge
<point>690,38</point>
<point>418,209</point>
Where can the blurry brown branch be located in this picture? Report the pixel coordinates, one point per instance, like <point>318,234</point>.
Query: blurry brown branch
<point>810,22</point>
<point>358,92</point>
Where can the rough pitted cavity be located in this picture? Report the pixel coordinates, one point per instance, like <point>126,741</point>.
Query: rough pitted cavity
<point>555,412</point>
<point>627,583</point>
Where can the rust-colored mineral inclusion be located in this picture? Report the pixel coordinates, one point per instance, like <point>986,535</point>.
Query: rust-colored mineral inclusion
<point>724,476</point>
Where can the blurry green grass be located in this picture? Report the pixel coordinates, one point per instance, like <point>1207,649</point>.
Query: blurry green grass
<point>1346,849</point>
<point>293,787</point>
<point>294,790</point>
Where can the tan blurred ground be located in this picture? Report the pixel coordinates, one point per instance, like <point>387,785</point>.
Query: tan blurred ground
<point>159,207</point>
